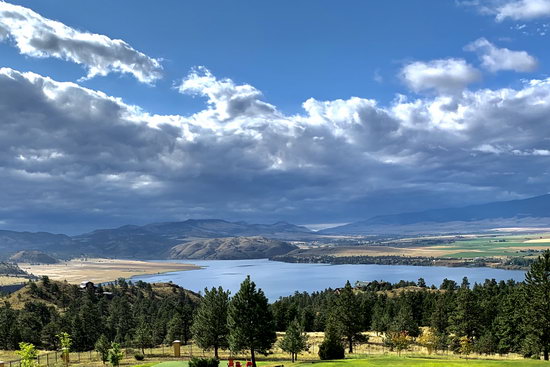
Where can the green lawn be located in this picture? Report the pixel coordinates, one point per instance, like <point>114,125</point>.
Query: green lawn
<point>388,361</point>
<point>421,362</point>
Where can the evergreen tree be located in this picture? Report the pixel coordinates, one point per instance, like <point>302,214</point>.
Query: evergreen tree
<point>102,346</point>
<point>210,321</point>
<point>508,323</point>
<point>404,321</point>
<point>464,319</point>
<point>331,347</point>
<point>9,330</point>
<point>537,290</point>
<point>143,337</point>
<point>348,317</point>
<point>250,321</point>
<point>294,341</point>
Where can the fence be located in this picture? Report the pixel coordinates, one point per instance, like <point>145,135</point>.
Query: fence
<point>55,358</point>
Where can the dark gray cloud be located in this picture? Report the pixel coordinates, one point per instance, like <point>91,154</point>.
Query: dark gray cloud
<point>37,36</point>
<point>73,158</point>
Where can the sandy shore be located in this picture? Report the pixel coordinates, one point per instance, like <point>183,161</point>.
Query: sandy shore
<point>103,270</point>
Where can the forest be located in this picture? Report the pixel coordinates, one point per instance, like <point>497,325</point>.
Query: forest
<point>489,318</point>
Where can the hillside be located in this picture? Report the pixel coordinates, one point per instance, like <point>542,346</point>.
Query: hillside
<point>55,244</point>
<point>154,241</point>
<point>151,241</point>
<point>33,257</point>
<point>231,248</point>
<point>531,212</point>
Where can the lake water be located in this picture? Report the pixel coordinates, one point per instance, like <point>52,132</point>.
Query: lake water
<point>279,279</point>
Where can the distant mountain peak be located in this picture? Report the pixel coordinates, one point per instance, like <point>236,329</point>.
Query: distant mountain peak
<point>535,210</point>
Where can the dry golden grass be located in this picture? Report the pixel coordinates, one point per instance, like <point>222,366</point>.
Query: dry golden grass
<point>4,280</point>
<point>102,270</point>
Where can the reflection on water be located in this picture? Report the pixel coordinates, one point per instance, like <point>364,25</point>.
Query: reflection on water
<point>279,279</point>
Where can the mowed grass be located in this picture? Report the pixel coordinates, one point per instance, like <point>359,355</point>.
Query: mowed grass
<point>390,361</point>
<point>186,364</point>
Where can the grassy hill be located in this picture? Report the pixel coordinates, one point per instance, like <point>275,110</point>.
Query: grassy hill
<point>231,248</point>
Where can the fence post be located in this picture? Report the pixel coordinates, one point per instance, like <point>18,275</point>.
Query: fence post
<point>48,359</point>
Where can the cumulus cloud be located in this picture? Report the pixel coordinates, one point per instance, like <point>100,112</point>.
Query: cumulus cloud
<point>444,75</point>
<point>495,59</point>
<point>37,36</point>
<point>73,152</point>
<point>512,9</point>
<point>225,99</point>
<point>523,10</point>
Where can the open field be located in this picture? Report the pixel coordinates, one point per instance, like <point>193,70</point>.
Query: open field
<point>446,246</point>
<point>4,280</point>
<point>102,270</point>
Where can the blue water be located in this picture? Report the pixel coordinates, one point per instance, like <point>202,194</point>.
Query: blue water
<point>279,279</point>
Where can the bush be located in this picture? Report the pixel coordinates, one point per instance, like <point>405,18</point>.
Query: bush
<point>204,362</point>
<point>330,349</point>
<point>139,357</point>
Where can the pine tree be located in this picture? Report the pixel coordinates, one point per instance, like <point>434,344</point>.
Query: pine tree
<point>348,317</point>
<point>250,321</point>
<point>143,336</point>
<point>294,341</point>
<point>210,321</point>
<point>331,347</point>
<point>464,319</point>
<point>102,346</point>
<point>537,290</point>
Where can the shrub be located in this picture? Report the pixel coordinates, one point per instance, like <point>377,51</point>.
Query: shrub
<point>139,357</point>
<point>331,349</point>
<point>204,362</point>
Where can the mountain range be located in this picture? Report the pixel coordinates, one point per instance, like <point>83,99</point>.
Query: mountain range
<point>216,238</point>
<point>151,241</point>
<point>531,212</point>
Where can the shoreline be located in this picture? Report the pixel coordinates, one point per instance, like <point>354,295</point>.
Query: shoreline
<point>99,270</point>
<point>492,263</point>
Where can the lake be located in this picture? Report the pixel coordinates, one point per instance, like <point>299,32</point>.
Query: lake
<point>279,279</point>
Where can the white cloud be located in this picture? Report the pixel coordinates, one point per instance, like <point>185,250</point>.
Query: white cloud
<point>523,10</point>
<point>75,150</point>
<point>518,10</point>
<point>37,36</point>
<point>495,59</point>
<point>445,75</point>
<point>226,100</point>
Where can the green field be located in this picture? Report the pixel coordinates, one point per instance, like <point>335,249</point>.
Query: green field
<point>421,362</point>
<point>388,361</point>
<point>486,246</point>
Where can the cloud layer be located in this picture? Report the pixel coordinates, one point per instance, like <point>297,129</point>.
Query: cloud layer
<point>77,153</point>
<point>37,36</point>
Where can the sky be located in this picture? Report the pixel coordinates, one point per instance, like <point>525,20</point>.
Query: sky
<point>313,112</point>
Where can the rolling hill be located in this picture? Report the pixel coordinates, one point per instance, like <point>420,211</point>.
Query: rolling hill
<point>231,248</point>
<point>151,241</point>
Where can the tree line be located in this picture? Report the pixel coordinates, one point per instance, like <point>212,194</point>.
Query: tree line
<point>492,317</point>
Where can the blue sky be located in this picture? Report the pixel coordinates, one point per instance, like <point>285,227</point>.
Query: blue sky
<point>306,111</point>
